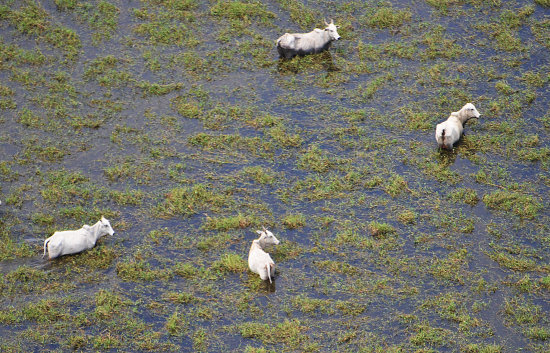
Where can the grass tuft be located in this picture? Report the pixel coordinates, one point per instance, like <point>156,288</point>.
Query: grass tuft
<point>525,206</point>
<point>388,17</point>
<point>380,230</point>
<point>293,221</point>
<point>230,263</point>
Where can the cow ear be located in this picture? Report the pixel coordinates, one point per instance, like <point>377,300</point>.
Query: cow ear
<point>259,232</point>
<point>337,26</point>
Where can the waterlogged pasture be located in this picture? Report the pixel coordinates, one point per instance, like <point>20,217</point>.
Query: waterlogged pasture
<point>176,120</point>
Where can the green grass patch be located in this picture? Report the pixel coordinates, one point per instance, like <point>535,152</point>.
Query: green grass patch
<point>216,242</point>
<point>229,142</point>
<point>283,138</point>
<point>141,271</point>
<point>259,174</point>
<point>525,206</point>
<point>108,304</point>
<point>127,197</point>
<point>513,262</point>
<point>418,120</point>
<point>315,159</point>
<point>450,268</point>
<point>521,312</point>
<point>538,333</point>
<point>380,230</point>
<point>366,92</point>
<point>24,279</point>
<point>442,4</point>
<point>395,185</point>
<point>388,17</point>
<point>185,270</point>
<point>337,267</point>
<point>313,306</point>
<point>293,221</point>
<point>230,263</point>
<point>426,335</point>
<point>11,248</point>
<point>186,107</point>
<point>107,72</point>
<point>438,45</point>
<point>155,89</point>
<point>45,311</point>
<point>162,32</point>
<point>290,333</point>
<point>64,186</point>
<point>483,348</point>
<point>242,10</point>
<point>100,258</point>
<point>301,14</point>
<point>226,223</point>
<point>534,154</point>
<point>176,324</point>
<point>466,195</point>
<point>33,20</point>
<point>180,297</point>
<point>190,200</point>
<point>102,16</point>
<point>407,217</point>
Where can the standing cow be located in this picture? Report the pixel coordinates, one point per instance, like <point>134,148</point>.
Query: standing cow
<point>291,44</point>
<point>449,131</point>
<point>74,241</point>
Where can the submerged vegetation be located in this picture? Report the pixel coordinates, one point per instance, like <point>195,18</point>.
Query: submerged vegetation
<point>176,120</point>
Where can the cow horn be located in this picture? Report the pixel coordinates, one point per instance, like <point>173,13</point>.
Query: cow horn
<point>325,21</point>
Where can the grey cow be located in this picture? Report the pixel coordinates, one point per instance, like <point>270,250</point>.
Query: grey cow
<point>291,44</point>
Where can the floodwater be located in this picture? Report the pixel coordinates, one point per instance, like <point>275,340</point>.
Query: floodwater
<point>387,243</point>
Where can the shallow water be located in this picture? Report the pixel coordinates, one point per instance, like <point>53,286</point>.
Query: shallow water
<point>332,137</point>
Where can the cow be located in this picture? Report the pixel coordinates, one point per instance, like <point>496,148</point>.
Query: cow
<point>75,241</point>
<point>449,131</point>
<point>291,44</point>
<point>258,260</point>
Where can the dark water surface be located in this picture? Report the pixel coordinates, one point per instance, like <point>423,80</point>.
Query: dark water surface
<point>161,98</point>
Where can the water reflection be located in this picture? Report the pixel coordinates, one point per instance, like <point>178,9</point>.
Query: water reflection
<point>268,287</point>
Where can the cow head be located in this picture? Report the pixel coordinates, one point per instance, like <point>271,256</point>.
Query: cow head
<point>470,110</point>
<point>266,237</point>
<point>106,226</point>
<point>332,30</point>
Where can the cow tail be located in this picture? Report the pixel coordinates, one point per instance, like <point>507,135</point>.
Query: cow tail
<point>45,243</point>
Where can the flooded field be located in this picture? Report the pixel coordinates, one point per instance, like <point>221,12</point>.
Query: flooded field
<point>176,120</point>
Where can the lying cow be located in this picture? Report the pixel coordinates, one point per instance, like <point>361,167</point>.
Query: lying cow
<point>449,131</point>
<point>291,44</point>
<point>74,241</point>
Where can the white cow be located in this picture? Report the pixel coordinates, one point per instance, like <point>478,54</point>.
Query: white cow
<point>258,260</point>
<point>449,131</point>
<point>291,44</point>
<point>74,241</point>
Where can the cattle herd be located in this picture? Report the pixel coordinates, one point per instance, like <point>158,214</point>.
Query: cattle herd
<point>289,45</point>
